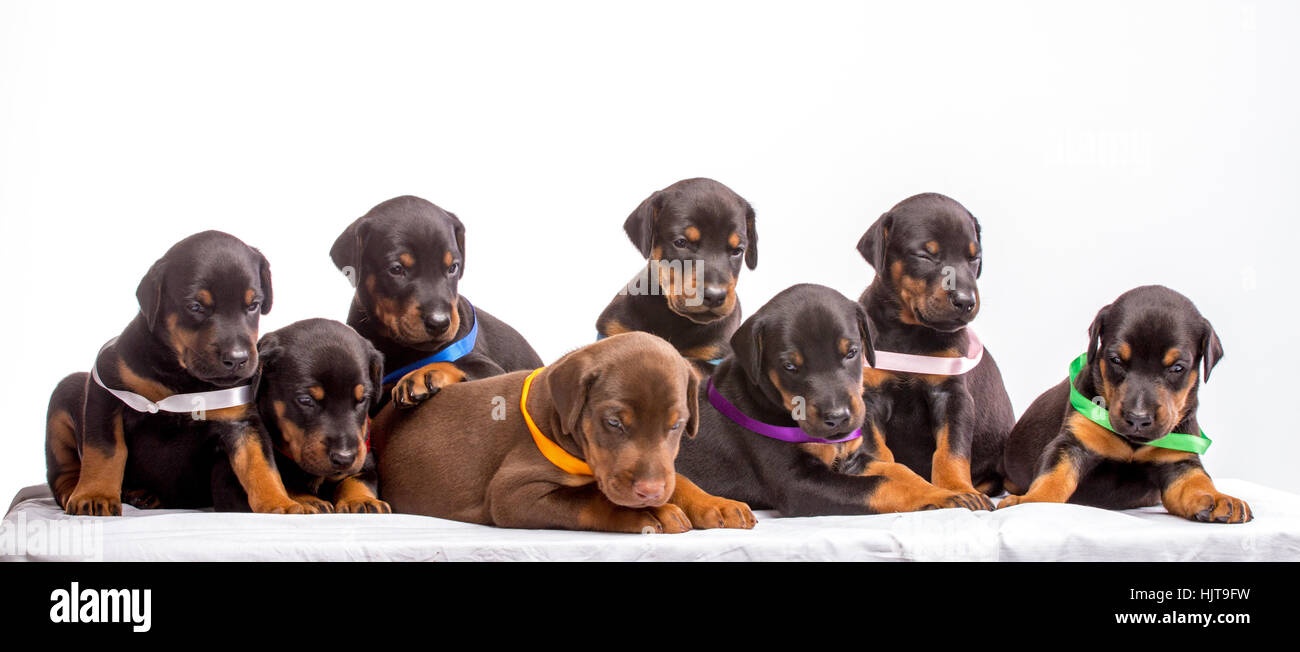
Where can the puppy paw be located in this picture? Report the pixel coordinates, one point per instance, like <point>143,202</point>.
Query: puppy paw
<point>141,499</point>
<point>1011,501</point>
<point>671,518</point>
<point>362,505</point>
<point>721,513</point>
<point>946,499</point>
<point>89,504</point>
<point>424,383</point>
<point>1209,507</point>
<point>314,505</point>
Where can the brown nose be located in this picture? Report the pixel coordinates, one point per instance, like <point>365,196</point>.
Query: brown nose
<point>649,489</point>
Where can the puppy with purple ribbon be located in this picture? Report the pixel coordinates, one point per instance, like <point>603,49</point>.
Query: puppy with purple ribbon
<point>935,397</point>
<point>781,420</point>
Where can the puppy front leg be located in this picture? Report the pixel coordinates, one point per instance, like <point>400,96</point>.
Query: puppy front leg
<point>951,411</point>
<point>1187,491</point>
<point>1063,462</point>
<point>358,494</point>
<point>708,511</point>
<point>543,505</point>
<point>103,458</point>
<point>249,450</point>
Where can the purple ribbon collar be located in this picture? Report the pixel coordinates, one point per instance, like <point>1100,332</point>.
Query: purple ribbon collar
<point>792,434</point>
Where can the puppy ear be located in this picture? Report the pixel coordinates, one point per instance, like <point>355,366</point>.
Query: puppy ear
<point>747,347</point>
<point>269,352</point>
<point>149,293</point>
<point>264,278</point>
<point>692,399</point>
<point>751,234</point>
<point>868,349</point>
<point>640,225</point>
<point>1211,348</point>
<point>1094,333</point>
<point>980,241</point>
<point>346,252</point>
<point>570,381</point>
<point>872,243</point>
<point>375,365</point>
<point>459,230</point>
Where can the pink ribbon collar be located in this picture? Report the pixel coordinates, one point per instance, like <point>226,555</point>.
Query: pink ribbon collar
<point>932,365</point>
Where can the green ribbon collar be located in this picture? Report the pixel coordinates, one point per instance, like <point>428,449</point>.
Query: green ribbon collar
<point>1097,414</point>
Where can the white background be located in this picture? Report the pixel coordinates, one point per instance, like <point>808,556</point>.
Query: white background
<point>1102,145</point>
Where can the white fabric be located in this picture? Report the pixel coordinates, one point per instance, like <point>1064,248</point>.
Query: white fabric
<point>1024,533</point>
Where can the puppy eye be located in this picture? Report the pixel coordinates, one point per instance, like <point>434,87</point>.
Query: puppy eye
<point>791,367</point>
<point>1116,360</point>
<point>735,253</point>
<point>680,243</point>
<point>455,267</point>
<point>195,307</point>
<point>396,269</point>
<point>925,256</point>
<point>614,423</point>
<point>1177,369</point>
<point>678,425</point>
<point>252,307</point>
<point>305,400</point>
<point>853,353</point>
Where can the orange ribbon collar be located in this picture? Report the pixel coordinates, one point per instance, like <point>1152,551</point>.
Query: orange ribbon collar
<point>551,450</point>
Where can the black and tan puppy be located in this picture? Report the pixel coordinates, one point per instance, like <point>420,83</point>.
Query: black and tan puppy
<point>797,363</point>
<point>593,451</point>
<point>949,428</point>
<point>405,257</point>
<point>1144,353</point>
<point>319,381</point>
<point>195,334</point>
<point>694,235</point>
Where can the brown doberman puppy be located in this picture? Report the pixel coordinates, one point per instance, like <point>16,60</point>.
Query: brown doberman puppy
<point>587,443</point>
<point>1135,386</point>
<point>694,235</point>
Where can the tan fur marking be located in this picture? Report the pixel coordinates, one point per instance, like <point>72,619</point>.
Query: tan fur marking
<point>692,234</point>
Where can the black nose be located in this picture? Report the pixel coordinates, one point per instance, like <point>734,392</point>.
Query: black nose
<point>1138,420</point>
<point>835,418</point>
<point>234,359</point>
<point>437,322</point>
<point>715,296</point>
<point>963,301</point>
<point>343,459</point>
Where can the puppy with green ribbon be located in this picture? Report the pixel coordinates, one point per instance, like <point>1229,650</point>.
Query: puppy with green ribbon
<point>1121,431</point>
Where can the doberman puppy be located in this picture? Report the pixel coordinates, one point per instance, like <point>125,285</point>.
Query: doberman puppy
<point>1141,370</point>
<point>405,257</point>
<point>585,444</point>
<point>796,367</point>
<point>694,235</point>
<point>195,334</point>
<point>319,380</point>
<point>949,428</point>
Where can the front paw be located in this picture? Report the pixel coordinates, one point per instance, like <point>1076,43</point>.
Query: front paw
<point>1209,507</point>
<point>721,513</point>
<point>362,505</point>
<point>671,519</point>
<point>314,505</point>
<point>415,388</point>
<point>1011,501</point>
<point>285,506</point>
<point>141,499</point>
<point>89,504</point>
<point>948,499</point>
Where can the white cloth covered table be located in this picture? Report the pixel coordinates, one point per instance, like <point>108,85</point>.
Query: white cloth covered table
<point>35,528</point>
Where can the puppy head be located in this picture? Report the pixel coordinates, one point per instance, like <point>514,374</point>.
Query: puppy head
<point>1143,356</point>
<point>203,299</point>
<point>627,400</point>
<point>926,250</point>
<point>695,233</point>
<point>319,380</point>
<point>804,349</point>
<point>406,257</point>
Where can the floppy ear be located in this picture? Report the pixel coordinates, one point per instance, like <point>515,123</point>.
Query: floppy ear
<point>751,234</point>
<point>979,240</point>
<point>1094,333</point>
<point>149,293</point>
<point>375,365</point>
<point>640,225</point>
<point>570,380</point>
<point>269,353</point>
<point>459,230</point>
<point>346,252</point>
<point>264,277</point>
<point>868,349</point>
<point>872,243</point>
<point>747,347</point>
<point>692,399</point>
<point>1211,348</point>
